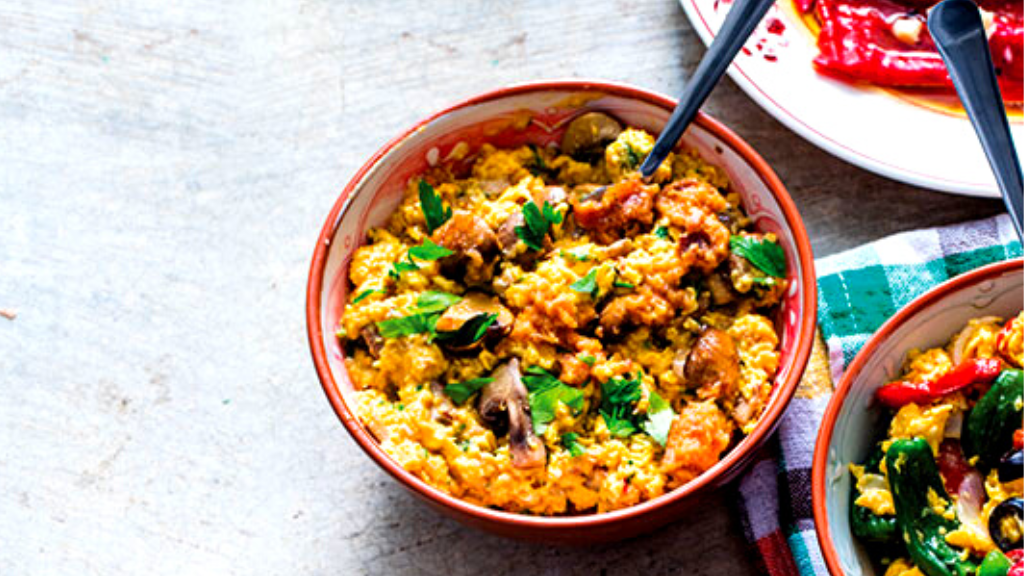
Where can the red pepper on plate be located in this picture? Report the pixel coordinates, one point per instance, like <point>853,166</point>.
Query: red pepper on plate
<point>970,371</point>
<point>858,42</point>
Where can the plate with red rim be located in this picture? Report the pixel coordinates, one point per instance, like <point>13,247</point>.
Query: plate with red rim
<point>914,136</point>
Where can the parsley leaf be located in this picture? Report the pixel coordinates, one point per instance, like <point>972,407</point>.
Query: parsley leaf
<point>587,284</point>
<point>459,392</point>
<point>632,157</point>
<point>659,418</point>
<point>621,284</point>
<point>662,232</point>
<point>407,326</point>
<point>431,301</point>
<point>766,256</point>
<point>366,294</point>
<point>570,443</point>
<point>588,359</point>
<point>536,224</point>
<point>429,251</point>
<point>550,214</point>
<point>470,331</point>
<point>399,267</point>
<point>546,392</point>
<point>434,210</point>
<point>618,395</point>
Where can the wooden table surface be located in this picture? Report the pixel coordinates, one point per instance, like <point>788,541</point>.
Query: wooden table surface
<point>165,169</point>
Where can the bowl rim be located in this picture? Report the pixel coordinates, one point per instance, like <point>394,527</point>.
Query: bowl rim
<point>766,425</point>
<point>831,415</point>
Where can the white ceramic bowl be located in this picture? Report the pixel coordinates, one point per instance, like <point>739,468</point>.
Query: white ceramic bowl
<point>852,419</point>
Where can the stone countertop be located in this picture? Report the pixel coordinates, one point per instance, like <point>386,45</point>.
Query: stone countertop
<point>166,167</point>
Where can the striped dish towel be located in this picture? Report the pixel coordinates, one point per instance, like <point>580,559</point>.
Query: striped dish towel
<point>858,290</point>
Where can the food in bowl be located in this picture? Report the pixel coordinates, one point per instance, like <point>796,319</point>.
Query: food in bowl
<point>546,333</point>
<point>887,43</point>
<point>940,494</point>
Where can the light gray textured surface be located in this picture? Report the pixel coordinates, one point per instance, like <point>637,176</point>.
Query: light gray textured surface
<point>165,169</point>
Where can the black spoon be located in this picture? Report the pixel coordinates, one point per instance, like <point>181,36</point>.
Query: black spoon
<point>959,34</point>
<point>743,17</point>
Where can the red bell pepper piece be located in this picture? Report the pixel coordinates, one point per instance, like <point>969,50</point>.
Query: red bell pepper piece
<point>970,371</point>
<point>1018,439</point>
<point>1017,557</point>
<point>1007,328</point>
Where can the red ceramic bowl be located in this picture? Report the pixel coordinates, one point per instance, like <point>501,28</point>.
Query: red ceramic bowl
<point>498,117</point>
<point>852,417</point>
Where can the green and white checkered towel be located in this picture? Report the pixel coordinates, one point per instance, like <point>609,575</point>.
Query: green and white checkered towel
<point>858,291</point>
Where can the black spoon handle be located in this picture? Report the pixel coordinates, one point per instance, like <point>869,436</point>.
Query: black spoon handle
<point>743,17</point>
<point>959,34</point>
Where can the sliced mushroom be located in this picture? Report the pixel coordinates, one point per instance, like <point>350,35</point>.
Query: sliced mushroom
<point>721,289</point>
<point>712,366</point>
<point>507,237</point>
<point>1006,524</point>
<point>586,135</point>
<point>474,304</point>
<point>503,405</point>
<point>373,340</point>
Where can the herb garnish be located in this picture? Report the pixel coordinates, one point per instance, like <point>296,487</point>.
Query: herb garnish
<point>570,443</point>
<point>428,309</point>
<point>434,210</point>
<point>618,395</point>
<point>407,325</point>
<point>621,284</point>
<point>632,157</point>
<point>587,284</point>
<point>588,359</point>
<point>426,251</point>
<point>766,256</point>
<point>431,301</point>
<point>429,251</point>
<point>398,268</point>
<point>459,392</point>
<point>662,232</point>
<point>659,418</point>
<point>536,224</point>
<point>546,392</point>
<point>470,331</point>
<point>366,294</point>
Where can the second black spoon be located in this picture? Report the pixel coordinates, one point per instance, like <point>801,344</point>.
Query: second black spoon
<point>959,33</point>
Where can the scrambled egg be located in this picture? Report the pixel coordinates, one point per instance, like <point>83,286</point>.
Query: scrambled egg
<point>982,338</point>
<point>619,289</point>
<point>875,494</point>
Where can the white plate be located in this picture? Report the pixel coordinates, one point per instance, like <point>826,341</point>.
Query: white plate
<point>867,126</point>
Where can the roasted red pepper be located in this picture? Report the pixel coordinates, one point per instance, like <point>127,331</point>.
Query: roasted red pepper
<point>858,42</point>
<point>970,371</point>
